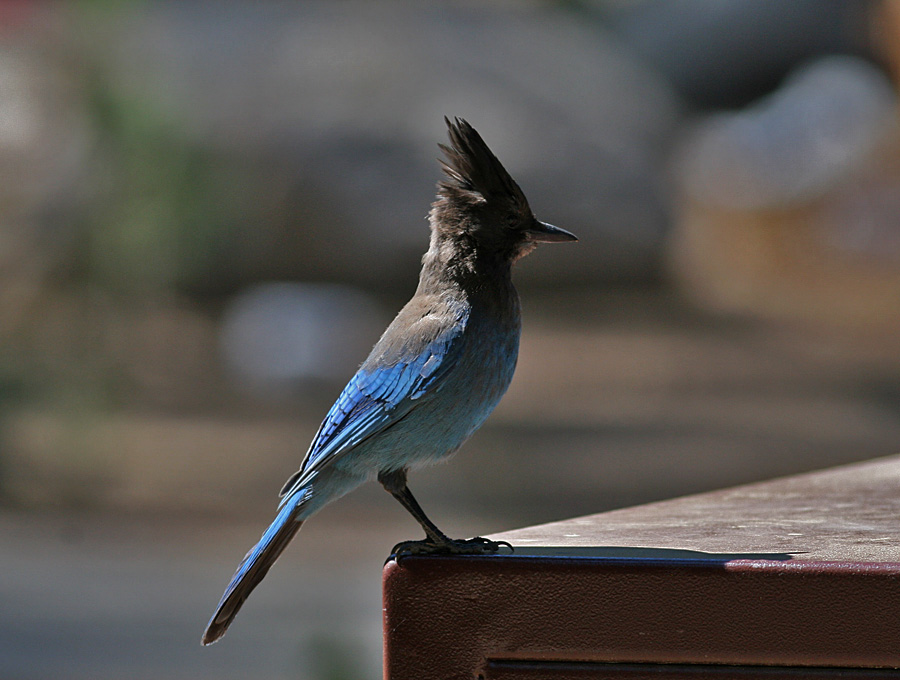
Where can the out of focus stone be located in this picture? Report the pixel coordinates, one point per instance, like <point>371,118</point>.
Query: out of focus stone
<point>45,142</point>
<point>885,30</point>
<point>728,53</point>
<point>787,209</point>
<point>345,101</point>
<point>793,146</point>
<point>277,336</point>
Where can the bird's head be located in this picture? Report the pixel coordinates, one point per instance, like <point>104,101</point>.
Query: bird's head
<point>480,206</point>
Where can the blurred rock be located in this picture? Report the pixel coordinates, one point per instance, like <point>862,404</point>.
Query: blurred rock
<point>728,53</point>
<point>45,141</point>
<point>787,208</point>
<point>345,101</point>
<point>886,35</point>
<point>281,335</point>
<point>794,145</point>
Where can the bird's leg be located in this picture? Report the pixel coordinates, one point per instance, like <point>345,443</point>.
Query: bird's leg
<point>436,541</point>
<point>401,492</point>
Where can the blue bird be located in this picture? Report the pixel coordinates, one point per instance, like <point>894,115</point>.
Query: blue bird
<point>434,376</point>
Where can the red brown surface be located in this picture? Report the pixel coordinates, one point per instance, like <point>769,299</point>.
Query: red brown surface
<point>800,572</point>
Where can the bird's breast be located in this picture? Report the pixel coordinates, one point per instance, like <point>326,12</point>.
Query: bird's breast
<point>445,416</point>
<point>472,388</point>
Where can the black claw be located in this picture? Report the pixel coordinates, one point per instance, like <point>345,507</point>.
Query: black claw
<point>469,546</point>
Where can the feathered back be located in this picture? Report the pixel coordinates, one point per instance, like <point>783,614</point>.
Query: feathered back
<point>474,169</point>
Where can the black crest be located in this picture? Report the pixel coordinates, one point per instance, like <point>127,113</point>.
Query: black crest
<point>473,168</point>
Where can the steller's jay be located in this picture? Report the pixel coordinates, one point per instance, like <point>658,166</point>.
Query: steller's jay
<point>434,376</point>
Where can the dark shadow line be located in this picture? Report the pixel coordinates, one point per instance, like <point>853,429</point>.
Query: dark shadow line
<point>635,553</point>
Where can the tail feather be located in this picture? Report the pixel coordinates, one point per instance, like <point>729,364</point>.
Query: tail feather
<point>252,569</point>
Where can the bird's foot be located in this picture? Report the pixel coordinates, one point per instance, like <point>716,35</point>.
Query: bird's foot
<point>451,546</point>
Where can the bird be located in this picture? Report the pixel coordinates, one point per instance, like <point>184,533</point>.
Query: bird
<point>435,374</point>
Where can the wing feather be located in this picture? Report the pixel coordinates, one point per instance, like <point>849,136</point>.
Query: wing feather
<point>372,401</point>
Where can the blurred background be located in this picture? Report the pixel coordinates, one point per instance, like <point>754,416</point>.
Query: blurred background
<point>209,211</point>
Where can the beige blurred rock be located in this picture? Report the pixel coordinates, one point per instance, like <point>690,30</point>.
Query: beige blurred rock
<point>788,210</point>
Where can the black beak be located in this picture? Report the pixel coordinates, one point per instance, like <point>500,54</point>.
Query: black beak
<point>541,232</point>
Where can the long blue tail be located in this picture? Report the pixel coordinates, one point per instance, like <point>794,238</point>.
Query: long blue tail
<point>253,568</point>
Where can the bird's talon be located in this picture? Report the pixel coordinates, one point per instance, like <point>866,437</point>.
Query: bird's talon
<point>504,544</point>
<point>470,546</point>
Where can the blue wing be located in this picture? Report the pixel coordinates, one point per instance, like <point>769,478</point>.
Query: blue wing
<point>373,400</point>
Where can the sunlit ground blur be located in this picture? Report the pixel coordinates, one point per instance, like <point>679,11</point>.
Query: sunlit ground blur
<point>209,212</point>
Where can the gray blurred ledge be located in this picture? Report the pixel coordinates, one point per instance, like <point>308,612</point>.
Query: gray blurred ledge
<point>779,577</point>
<point>619,399</point>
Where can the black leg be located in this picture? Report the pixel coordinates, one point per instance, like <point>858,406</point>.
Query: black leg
<point>437,541</point>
